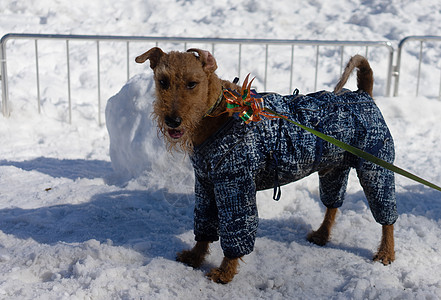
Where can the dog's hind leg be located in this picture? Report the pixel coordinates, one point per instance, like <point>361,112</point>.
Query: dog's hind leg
<point>332,190</point>
<point>386,253</point>
<point>379,187</point>
<point>196,256</point>
<point>321,236</point>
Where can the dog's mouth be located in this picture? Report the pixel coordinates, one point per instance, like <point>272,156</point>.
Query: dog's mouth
<point>175,133</point>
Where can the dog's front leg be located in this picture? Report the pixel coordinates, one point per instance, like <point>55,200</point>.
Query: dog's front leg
<point>226,271</point>
<point>196,256</point>
<point>386,251</point>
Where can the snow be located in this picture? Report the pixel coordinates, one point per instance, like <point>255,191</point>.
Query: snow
<point>92,211</point>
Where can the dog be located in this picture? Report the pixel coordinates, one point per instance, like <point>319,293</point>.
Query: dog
<point>233,160</point>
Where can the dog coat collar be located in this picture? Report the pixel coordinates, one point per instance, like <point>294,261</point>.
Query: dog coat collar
<point>215,105</point>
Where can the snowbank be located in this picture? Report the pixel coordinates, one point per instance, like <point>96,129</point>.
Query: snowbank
<point>136,148</point>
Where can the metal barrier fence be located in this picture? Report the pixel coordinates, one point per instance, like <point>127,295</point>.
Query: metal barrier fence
<point>213,41</point>
<point>397,71</point>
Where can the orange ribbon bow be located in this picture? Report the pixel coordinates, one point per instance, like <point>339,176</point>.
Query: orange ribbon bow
<point>248,104</point>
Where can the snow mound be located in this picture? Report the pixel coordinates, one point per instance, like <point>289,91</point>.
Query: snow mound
<point>136,149</point>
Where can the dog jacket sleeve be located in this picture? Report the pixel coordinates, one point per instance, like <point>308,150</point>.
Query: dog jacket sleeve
<point>226,194</point>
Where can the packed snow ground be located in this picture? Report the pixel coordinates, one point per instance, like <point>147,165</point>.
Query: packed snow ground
<point>99,212</point>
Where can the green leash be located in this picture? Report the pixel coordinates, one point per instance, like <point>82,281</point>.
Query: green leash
<point>359,153</point>
<point>251,108</point>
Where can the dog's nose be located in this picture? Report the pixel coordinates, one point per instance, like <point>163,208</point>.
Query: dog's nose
<point>173,122</point>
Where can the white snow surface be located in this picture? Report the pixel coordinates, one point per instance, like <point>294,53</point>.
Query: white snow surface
<point>92,211</point>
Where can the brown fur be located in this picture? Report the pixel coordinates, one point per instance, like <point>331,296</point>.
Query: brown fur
<point>226,271</point>
<point>386,252</point>
<point>365,78</point>
<point>321,236</point>
<point>186,88</point>
<point>196,256</point>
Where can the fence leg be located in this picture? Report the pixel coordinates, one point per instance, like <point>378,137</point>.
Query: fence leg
<point>316,67</point>
<point>99,80</point>
<point>389,74</point>
<point>240,59</point>
<point>292,69</point>
<point>342,52</point>
<point>266,67</point>
<point>419,68</point>
<point>4,80</point>
<point>128,61</point>
<point>38,77</point>
<point>68,82</point>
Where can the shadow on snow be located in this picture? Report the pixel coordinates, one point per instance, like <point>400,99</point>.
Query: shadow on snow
<point>154,219</point>
<point>139,219</point>
<point>66,168</point>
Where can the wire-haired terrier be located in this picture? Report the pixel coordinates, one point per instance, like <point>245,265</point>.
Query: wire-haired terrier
<point>233,160</point>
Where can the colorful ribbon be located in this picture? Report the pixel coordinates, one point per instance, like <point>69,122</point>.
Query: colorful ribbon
<point>248,104</point>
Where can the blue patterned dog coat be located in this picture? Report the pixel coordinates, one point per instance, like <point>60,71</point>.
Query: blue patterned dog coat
<point>241,159</point>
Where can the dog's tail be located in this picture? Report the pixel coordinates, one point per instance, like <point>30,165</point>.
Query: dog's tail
<point>365,78</point>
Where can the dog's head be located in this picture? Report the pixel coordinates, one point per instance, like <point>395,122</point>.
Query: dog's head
<point>183,90</point>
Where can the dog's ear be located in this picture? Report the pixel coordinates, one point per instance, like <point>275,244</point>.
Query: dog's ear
<point>208,61</point>
<point>154,55</point>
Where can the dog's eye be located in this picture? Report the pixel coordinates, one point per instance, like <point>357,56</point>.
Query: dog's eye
<point>191,85</point>
<point>164,83</point>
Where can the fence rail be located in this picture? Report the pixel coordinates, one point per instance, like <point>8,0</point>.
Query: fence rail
<point>397,71</point>
<point>391,70</point>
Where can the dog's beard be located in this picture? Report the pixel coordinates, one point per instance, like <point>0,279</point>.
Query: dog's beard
<point>176,139</point>
<point>172,141</point>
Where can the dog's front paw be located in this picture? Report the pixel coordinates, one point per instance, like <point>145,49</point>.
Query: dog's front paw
<point>190,258</point>
<point>220,276</point>
<point>194,257</point>
<point>385,257</point>
<point>226,271</point>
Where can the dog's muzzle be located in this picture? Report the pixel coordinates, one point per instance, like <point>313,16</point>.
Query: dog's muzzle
<point>173,123</point>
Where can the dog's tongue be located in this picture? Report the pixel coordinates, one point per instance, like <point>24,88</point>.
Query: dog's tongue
<point>175,134</point>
